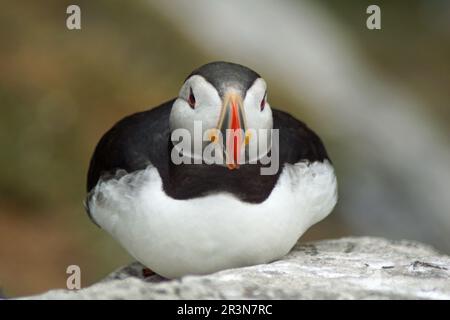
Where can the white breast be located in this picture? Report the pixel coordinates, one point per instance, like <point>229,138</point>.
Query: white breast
<point>215,232</point>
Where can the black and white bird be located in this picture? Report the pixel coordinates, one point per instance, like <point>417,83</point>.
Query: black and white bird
<point>197,218</point>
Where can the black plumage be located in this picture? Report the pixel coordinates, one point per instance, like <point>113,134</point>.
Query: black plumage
<point>223,75</point>
<point>143,138</point>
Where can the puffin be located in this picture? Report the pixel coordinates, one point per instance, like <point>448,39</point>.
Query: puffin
<point>210,180</point>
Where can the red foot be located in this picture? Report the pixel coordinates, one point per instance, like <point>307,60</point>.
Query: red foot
<point>146,272</point>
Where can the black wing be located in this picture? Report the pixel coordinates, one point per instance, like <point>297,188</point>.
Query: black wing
<point>297,141</point>
<point>132,144</point>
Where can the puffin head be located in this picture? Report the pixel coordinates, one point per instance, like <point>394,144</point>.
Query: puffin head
<point>230,102</point>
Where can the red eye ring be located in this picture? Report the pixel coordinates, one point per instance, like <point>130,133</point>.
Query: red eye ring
<point>191,99</point>
<point>263,101</point>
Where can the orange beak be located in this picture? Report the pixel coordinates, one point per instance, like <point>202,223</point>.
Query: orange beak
<point>232,126</point>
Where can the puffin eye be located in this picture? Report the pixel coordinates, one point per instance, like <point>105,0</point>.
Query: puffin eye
<point>191,99</point>
<point>263,101</point>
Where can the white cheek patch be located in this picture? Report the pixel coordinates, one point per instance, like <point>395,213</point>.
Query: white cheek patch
<point>206,96</point>
<point>257,119</point>
<point>207,105</point>
<point>206,110</point>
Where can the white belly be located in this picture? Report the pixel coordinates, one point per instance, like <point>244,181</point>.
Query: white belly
<point>203,235</point>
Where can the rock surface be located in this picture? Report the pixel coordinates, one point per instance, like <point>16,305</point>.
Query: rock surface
<point>348,268</point>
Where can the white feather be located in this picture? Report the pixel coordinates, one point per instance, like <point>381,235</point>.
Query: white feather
<point>203,235</point>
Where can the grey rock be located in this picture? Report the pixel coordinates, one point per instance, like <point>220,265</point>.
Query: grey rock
<point>348,268</point>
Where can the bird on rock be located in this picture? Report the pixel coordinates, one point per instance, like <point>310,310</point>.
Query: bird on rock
<point>213,179</point>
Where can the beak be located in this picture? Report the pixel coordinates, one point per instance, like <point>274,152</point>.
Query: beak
<point>232,126</point>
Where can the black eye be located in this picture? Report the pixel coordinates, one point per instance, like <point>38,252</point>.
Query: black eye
<point>263,101</point>
<point>191,99</point>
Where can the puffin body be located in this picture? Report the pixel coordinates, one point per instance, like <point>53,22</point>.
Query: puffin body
<point>196,217</point>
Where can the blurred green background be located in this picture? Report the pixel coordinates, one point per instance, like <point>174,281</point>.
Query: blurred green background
<point>60,90</point>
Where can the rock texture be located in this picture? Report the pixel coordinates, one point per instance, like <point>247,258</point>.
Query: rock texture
<point>348,268</point>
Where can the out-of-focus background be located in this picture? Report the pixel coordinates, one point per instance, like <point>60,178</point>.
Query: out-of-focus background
<point>379,99</point>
